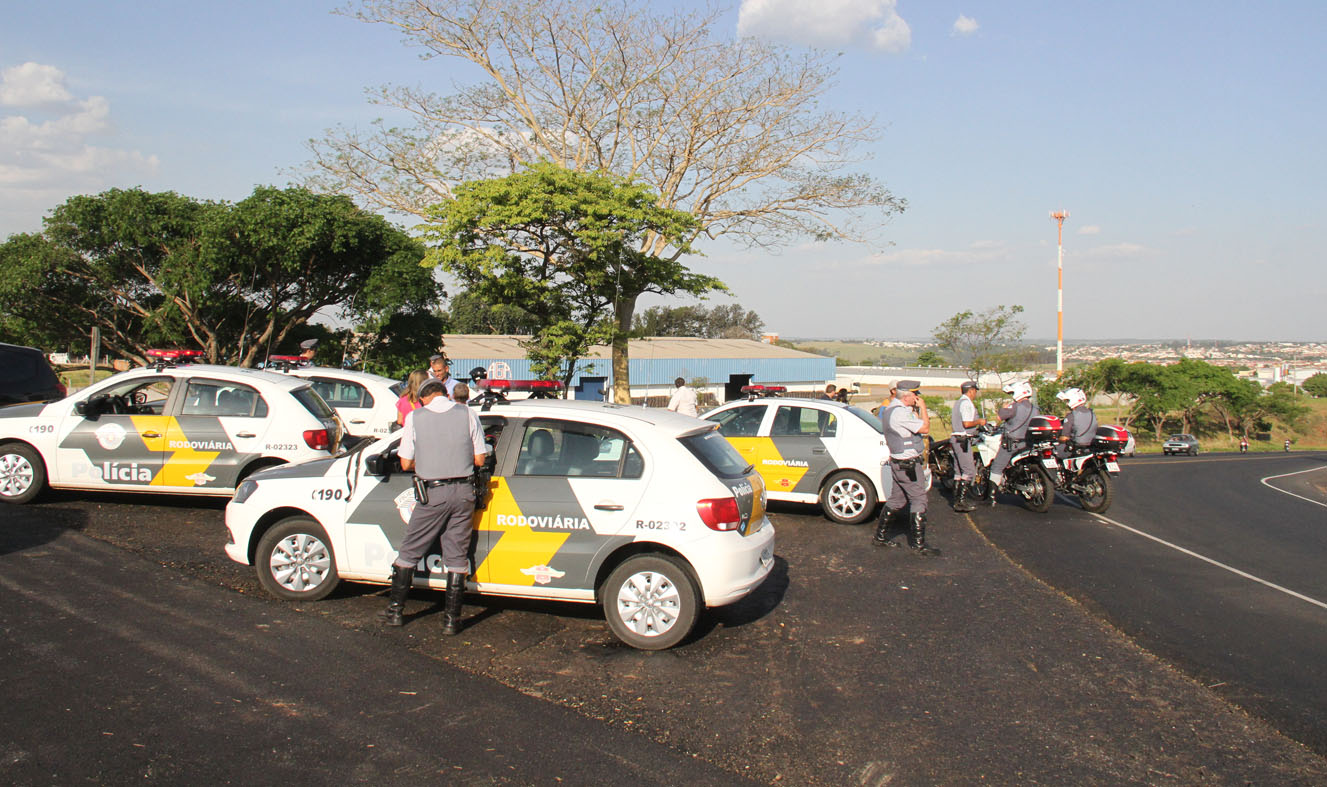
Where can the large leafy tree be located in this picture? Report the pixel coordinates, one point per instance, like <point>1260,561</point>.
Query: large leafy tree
<point>1316,385</point>
<point>564,245</point>
<point>724,321</point>
<point>153,269</point>
<point>990,341</point>
<point>732,132</point>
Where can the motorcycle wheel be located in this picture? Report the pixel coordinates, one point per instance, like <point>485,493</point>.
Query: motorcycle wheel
<point>942,466</point>
<point>1036,488</point>
<point>981,483</point>
<point>1095,495</point>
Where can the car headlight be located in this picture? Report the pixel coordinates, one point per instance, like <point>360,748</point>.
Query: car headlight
<point>244,491</point>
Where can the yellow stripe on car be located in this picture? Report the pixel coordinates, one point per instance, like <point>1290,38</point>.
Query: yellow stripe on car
<point>518,547</point>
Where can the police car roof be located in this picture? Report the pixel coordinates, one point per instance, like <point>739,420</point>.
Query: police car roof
<point>666,420</point>
<point>345,374</point>
<point>232,373</point>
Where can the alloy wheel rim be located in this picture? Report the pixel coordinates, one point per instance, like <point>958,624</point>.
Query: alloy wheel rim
<point>847,498</point>
<point>648,603</point>
<point>15,475</point>
<point>300,562</point>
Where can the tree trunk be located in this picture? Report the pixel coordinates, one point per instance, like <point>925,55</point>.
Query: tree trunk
<point>626,308</point>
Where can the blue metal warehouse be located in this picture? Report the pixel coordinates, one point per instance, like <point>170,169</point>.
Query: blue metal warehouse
<point>719,366</point>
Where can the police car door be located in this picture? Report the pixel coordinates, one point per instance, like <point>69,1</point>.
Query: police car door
<point>801,438</point>
<point>569,494</point>
<point>119,441</point>
<point>219,428</point>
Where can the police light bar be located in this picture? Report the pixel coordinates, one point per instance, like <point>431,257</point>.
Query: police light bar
<point>176,356</point>
<point>521,385</point>
<point>284,358</point>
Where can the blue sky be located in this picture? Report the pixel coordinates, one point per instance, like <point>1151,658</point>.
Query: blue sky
<point>1186,139</point>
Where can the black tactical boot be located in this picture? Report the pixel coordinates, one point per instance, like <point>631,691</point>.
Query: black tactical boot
<point>885,528</point>
<point>451,618</point>
<point>961,502</point>
<point>917,537</point>
<point>394,615</point>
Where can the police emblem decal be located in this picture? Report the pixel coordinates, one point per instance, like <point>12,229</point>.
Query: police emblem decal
<point>405,503</point>
<point>543,574</point>
<point>200,478</point>
<point>110,436</point>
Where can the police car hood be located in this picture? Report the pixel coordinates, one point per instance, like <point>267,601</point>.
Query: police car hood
<point>314,468</point>
<point>22,410</point>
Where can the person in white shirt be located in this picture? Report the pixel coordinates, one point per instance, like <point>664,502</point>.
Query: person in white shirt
<point>684,399</point>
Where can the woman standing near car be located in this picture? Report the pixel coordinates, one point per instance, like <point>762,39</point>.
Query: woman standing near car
<point>410,399</point>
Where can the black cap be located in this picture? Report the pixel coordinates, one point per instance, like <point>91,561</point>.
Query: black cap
<point>432,386</point>
<point>308,344</point>
<point>968,386</point>
<point>910,386</point>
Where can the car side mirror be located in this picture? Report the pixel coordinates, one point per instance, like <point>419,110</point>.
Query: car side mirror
<point>382,465</point>
<point>91,408</point>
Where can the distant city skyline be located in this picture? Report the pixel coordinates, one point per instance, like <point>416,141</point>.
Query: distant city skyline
<point>1183,138</point>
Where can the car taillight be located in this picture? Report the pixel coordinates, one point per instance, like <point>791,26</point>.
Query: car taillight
<point>720,513</point>
<point>317,439</point>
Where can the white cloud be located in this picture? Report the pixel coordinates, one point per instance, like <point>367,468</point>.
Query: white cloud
<point>49,147</point>
<point>870,24</point>
<point>32,84</point>
<point>1091,229</point>
<point>965,26</point>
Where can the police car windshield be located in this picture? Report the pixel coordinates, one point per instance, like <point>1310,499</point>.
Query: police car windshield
<point>867,417</point>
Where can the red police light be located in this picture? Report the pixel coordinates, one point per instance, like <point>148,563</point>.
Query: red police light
<point>521,385</point>
<point>178,356</point>
<point>284,358</point>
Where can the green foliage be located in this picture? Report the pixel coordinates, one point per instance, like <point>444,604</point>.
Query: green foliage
<point>563,246</point>
<point>468,313</point>
<point>237,281</point>
<point>931,358</point>
<point>1316,385</point>
<point>989,341</point>
<point>728,321</point>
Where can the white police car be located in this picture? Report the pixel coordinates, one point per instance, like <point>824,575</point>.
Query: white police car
<point>172,427</point>
<point>811,451</point>
<point>366,402</point>
<point>648,513</point>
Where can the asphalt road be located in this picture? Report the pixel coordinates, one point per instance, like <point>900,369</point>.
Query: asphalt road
<point>1207,566</point>
<point>851,665</point>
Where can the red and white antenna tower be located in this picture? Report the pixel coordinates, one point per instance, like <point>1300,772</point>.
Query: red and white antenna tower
<point>1059,216</point>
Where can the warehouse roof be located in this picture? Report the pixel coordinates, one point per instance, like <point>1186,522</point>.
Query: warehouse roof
<point>658,347</point>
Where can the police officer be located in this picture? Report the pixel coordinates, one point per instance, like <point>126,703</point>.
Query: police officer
<point>307,349</point>
<point>1080,426</point>
<point>442,442</point>
<point>905,420</point>
<point>963,424</point>
<point>1015,417</point>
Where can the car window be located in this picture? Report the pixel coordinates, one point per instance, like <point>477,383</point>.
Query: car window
<point>342,393</point>
<point>742,421</point>
<point>568,448</point>
<point>312,402</point>
<point>221,398</point>
<point>870,419</point>
<point>139,396</point>
<point>790,420</point>
<point>717,454</point>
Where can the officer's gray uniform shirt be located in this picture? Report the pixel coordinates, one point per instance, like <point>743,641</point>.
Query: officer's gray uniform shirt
<point>443,438</point>
<point>901,425</point>
<point>1080,426</point>
<point>1016,418</point>
<point>964,410</point>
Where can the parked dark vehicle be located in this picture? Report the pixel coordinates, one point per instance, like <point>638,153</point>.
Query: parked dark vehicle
<point>26,376</point>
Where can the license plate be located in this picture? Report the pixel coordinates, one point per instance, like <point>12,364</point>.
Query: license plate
<point>1114,467</point>
<point>1049,463</point>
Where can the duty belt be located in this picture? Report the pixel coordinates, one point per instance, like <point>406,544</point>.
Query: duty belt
<point>431,482</point>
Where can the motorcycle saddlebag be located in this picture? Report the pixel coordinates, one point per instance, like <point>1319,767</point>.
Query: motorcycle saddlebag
<point>1111,438</point>
<point>1043,428</point>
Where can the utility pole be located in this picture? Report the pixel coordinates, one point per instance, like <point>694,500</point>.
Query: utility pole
<point>1059,216</point>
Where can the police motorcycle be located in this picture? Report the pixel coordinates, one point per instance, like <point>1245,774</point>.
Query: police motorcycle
<point>1086,470</point>
<point>1031,472</point>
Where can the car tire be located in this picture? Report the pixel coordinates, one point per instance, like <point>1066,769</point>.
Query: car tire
<point>295,562</point>
<point>650,602</point>
<point>848,498</point>
<point>22,473</point>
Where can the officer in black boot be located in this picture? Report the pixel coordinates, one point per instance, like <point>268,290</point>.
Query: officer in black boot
<point>905,420</point>
<point>442,442</point>
<point>963,425</point>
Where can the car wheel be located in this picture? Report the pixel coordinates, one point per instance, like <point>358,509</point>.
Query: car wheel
<point>22,473</point>
<point>650,602</point>
<point>295,561</point>
<point>848,498</point>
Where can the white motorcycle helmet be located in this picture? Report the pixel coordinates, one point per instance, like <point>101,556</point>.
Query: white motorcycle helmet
<point>1020,390</point>
<point>1074,397</point>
